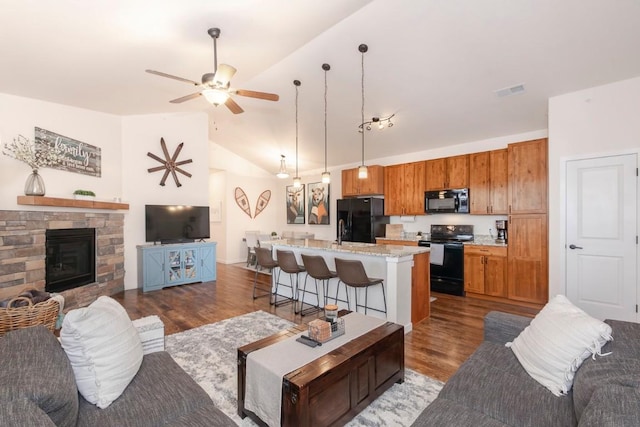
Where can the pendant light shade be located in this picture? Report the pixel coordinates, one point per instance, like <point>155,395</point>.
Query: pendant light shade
<point>297,181</point>
<point>363,171</point>
<point>326,176</point>
<point>282,173</point>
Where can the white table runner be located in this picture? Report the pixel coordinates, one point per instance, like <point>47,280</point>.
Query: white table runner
<point>267,367</point>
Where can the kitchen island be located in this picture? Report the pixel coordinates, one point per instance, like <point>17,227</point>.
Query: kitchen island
<point>395,264</point>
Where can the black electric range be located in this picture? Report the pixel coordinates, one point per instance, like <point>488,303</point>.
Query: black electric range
<point>447,257</point>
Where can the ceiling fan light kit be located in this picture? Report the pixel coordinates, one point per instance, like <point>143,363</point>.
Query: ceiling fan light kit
<point>215,87</point>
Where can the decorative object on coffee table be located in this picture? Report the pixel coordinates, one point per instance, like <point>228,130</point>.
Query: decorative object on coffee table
<point>170,163</point>
<point>36,156</point>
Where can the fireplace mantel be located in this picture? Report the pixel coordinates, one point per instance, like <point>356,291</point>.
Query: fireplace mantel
<point>70,203</point>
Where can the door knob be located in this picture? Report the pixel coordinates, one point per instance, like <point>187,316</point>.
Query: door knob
<point>572,246</point>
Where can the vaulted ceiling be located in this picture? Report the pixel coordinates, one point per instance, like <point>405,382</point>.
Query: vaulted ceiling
<point>435,64</point>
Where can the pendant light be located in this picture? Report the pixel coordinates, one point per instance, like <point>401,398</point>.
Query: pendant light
<point>363,171</point>
<point>297,182</point>
<point>326,176</point>
<point>282,173</point>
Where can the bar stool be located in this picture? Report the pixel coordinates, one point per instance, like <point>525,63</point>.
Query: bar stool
<point>263,260</point>
<point>352,273</point>
<point>318,270</point>
<point>287,263</point>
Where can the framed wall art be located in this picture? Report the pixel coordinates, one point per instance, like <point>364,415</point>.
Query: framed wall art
<point>295,205</point>
<point>318,203</point>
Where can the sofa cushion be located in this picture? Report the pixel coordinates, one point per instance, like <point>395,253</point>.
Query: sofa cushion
<point>558,340</point>
<point>621,367</point>
<point>612,405</point>
<point>104,349</point>
<point>161,393</point>
<point>35,368</point>
<point>23,412</point>
<point>444,412</point>
<point>492,382</point>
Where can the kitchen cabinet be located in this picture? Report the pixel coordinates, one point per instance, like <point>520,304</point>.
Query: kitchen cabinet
<point>404,187</point>
<point>396,242</point>
<point>160,266</point>
<point>488,182</point>
<point>528,269</point>
<point>528,174</point>
<point>485,270</point>
<point>448,172</point>
<point>354,186</point>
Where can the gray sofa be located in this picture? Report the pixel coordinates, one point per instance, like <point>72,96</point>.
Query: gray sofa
<point>37,388</point>
<point>492,389</point>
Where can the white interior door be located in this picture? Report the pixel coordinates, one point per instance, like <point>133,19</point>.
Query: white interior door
<point>601,241</point>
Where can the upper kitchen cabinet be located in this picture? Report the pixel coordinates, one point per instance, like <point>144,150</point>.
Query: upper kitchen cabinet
<point>527,177</point>
<point>404,189</point>
<point>370,186</point>
<point>488,178</point>
<point>448,172</point>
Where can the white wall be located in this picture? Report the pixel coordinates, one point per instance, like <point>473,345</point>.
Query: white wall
<point>593,122</point>
<point>140,135</point>
<point>19,116</point>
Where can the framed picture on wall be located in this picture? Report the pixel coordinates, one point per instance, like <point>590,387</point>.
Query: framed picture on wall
<point>295,205</point>
<point>318,203</point>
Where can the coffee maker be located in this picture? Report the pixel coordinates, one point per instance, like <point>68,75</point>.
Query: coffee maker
<point>501,226</point>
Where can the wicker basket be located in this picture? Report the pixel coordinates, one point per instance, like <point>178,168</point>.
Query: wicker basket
<point>44,313</point>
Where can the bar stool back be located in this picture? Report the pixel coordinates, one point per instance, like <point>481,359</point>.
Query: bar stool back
<point>264,260</point>
<point>352,273</point>
<point>287,263</point>
<point>318,270</point>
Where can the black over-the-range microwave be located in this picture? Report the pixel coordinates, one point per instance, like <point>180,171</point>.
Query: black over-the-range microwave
<point>447,201</point>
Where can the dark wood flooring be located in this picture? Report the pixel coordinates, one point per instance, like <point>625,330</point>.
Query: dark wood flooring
<point>436,347</point>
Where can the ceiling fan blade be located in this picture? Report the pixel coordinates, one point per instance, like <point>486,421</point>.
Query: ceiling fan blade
<point>259,95</point>
<point>185,98</point>
<point>233,106</point>
<point>223,75</point>
<point>161,74</point>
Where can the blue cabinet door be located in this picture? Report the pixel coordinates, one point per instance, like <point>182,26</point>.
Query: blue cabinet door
<point>208,270</point>
<point>153,269</point>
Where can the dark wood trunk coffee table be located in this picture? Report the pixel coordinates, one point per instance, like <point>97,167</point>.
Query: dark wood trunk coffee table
<point>335,387</point>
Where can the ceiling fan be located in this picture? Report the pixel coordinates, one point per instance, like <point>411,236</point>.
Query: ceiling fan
<point>215,86</point>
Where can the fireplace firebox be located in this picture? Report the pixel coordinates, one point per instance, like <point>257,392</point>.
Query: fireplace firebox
<point>70,258</point>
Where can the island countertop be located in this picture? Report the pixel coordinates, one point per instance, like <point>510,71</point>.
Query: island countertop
<point>372,249</point>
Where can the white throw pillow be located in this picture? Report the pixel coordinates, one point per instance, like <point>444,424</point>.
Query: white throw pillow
<point>558,340</point>
<point>104,349</point>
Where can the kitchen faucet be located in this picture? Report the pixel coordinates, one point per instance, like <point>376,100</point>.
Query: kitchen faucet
<point>340,230</point>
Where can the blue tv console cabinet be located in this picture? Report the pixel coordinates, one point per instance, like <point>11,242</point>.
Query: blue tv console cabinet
<point>160,266</point>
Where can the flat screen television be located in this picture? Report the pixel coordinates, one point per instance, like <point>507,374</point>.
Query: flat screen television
<point>176,223</point>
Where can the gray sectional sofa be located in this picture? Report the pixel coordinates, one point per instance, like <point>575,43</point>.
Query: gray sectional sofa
<point>492,389</point>
<point>37,388</point>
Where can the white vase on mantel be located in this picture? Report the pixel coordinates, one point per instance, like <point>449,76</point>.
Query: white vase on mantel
<point>83,197</point>
<point>34,185</point>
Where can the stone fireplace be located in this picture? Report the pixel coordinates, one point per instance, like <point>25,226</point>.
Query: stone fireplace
<point>23,253</point>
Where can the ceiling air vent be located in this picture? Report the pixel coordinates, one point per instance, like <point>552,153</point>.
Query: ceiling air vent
<point>508,91</point>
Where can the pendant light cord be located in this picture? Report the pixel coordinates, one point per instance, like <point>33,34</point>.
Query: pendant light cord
<point>296,130</point>
<point>325,120</point>
<point>362,109</point>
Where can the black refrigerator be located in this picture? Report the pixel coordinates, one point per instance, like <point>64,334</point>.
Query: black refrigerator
<point>364,219</point>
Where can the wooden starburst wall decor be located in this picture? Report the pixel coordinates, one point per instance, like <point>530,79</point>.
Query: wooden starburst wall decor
<point>170,165</point>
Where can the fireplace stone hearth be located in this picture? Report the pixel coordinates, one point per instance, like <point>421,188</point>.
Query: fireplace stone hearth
<point>22,252</point>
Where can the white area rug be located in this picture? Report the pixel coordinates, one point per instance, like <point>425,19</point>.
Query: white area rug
<point>209,355</point>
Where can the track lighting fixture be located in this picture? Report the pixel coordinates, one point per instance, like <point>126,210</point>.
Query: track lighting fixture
<point>380,122</point>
